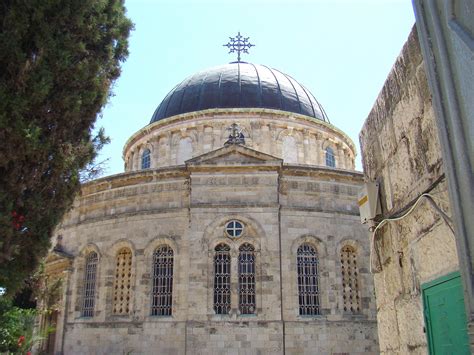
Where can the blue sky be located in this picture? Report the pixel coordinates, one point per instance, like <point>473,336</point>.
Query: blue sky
<point>342,51</point>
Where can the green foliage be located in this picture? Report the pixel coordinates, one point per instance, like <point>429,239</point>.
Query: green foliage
<point>16,327</point>
<point>18,333</point>
<point>58,60</point>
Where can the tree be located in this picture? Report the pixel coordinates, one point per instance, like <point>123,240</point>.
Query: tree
<point>58,60</point>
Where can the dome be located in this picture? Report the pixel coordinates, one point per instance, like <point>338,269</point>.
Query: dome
<point>239,85</point>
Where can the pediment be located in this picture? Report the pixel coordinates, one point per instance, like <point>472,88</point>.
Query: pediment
<point>234,154</point>
<point>57,262</point>
<point>56,255</point>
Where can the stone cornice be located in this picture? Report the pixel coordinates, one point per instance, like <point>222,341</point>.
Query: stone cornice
<point>140,177</point>
<point>322,172</point>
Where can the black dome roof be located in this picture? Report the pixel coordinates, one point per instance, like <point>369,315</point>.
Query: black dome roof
<point>239,85</point>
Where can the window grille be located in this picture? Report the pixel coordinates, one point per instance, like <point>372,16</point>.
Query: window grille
<point>90,273</point>
<point>308,288</point>
<point>350,286</point>
<point>330,158</point>
<point>162,281</point>
<point>222,279</point>
<point>123,282</point>
<point>247,279</point>
<point>146,159</point>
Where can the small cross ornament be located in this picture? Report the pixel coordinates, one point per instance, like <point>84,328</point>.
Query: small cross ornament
<point>236,136</point>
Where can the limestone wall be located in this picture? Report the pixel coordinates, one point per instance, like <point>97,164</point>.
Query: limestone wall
<point>343,337</point>
<point>222,338</point>
<point>400,149</point>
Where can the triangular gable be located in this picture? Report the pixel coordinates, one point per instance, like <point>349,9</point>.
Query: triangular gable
<point>57,261</point>
<point>234,154</point>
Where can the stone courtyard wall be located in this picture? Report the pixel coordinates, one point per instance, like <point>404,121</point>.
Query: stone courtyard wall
<point>401,150</point>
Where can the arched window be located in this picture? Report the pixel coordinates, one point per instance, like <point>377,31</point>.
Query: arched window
<point>185,150</point>
<point>162,293</point>
<point>146,159</point>
<point>289,150</point>
<point>123,282</point>
<point>247,279</point>
<point>308,287</point>
<point>330,158</point>
<point>90,273</point>
<point>222,279</point>
<point>350,285</point>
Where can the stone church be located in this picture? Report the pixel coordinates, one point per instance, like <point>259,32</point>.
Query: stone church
<point>234,229</point>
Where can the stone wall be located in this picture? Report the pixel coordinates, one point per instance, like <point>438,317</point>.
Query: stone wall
<point>187,208</point>
<point>400,149</point>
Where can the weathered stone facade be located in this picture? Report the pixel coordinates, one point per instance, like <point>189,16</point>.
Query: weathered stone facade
<point>184,201</point>
<point>400,150</point>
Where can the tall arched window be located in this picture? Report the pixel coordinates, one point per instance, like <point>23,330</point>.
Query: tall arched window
<point>289,150</point>
<point>330,158</point>
<point>123,282</point>
<point>350,284</point>
<point>90,274</point>
<point>222,279</point>
<point>247,279</point>
<point>146,159</point>
<point>162,293</point>
<point>308,286</point>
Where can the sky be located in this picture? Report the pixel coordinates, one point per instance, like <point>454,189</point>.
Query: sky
<point>341,50</point>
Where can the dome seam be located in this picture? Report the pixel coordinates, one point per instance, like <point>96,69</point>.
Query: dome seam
<point>260,101</point>
<point>219,99</point>
<point>169,99</point>
<point>279,89</point>
<point>188,80</point>
<point>240,84</point>
<point>289,78</point>
<point>201,90</point>
<point>310,101</point>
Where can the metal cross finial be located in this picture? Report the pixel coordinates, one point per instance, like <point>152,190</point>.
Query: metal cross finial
<point>236,136</point>
<point>238,44</point>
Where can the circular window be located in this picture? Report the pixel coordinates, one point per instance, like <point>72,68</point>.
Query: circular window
<point>234,229</point>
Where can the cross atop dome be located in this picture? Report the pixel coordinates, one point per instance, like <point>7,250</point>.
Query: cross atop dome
<point>238,44</point>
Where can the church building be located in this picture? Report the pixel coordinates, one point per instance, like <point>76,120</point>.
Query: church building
<point>234,229</point>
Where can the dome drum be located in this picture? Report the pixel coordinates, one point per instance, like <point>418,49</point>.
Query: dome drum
<point>296,138</point>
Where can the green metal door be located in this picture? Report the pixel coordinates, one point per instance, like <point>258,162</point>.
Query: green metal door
<point>445,316</point>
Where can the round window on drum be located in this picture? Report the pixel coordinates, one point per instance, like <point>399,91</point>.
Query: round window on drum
<point>234,229</point>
